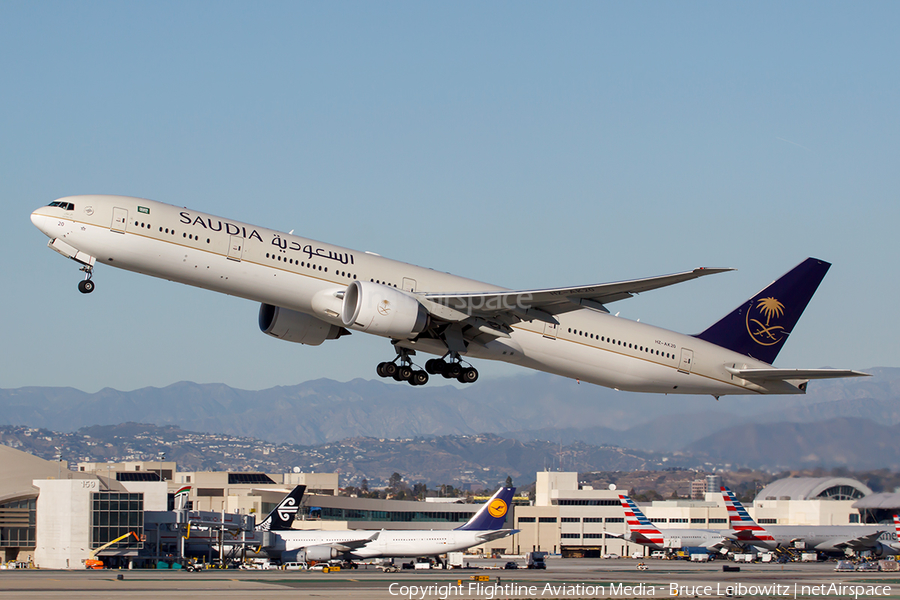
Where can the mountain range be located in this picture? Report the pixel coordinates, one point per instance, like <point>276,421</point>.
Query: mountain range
<point>837,423</point>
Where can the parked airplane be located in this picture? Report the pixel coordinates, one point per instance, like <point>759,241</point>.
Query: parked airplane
<point>822,538</point>
<point>639,530</point>
<point>484,526</point>
<point>282,516</point>
<point>311,292</point>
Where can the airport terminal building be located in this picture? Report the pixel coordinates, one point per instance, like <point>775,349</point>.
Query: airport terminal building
<point>53,517</point>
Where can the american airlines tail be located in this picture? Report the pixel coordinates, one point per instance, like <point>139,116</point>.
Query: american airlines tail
<point>638,526</point>
<point>759,327</point>
<point>492,515</point>
<point>282,516</point>
<point>746,529</point>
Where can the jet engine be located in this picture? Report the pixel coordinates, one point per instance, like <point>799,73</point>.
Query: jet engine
<point>311,553</point>
<point>294,326</point>
<point>383,310</point>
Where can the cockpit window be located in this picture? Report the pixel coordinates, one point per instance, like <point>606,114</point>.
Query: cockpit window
<point>63,205</point>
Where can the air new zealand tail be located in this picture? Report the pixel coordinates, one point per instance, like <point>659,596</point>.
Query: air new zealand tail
<point>759,327</point>
<point>282,516</point>
<point>492,515</point>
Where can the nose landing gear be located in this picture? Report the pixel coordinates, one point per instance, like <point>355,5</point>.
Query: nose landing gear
<point>86,286</point>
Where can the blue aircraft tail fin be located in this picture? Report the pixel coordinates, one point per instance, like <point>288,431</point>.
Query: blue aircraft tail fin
<point>282,516</point>
<point>759,327</point>
<point>492,514</point>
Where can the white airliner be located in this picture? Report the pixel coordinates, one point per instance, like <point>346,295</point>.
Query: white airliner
<point>351,544</point>
<point>835,539</point>
<point>312,291</point>
<point>640,530</point>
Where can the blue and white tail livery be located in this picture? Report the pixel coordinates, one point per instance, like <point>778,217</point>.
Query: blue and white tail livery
<point>492,515</point>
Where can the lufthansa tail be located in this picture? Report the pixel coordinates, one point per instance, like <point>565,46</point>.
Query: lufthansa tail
<point>492,514</point>
<point>282,516</point>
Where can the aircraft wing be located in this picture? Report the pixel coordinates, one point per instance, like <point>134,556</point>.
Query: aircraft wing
<point>859,542</point>
<point>350,545</point>
<point>529,304</point>
<point>785,374</point>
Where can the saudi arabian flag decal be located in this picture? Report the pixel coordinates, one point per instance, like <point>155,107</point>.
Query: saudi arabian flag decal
<point>144,209</point>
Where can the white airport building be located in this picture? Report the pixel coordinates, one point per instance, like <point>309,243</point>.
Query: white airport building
<point>53,517</point>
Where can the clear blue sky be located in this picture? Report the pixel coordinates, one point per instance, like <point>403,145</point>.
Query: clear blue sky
<point>526,144</point>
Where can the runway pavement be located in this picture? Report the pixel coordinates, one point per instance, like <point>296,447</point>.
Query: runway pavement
<point>564,578</point>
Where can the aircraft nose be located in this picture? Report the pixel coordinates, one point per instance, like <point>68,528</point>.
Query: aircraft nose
<point>40,221</point>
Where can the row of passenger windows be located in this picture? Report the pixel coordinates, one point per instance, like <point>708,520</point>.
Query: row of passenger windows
<point>601,338</point>
<point>301,263</point>
<point>383,282</point>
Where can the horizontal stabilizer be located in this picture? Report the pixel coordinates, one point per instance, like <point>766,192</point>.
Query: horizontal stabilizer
<point>786,374</point>
<point>490,536</point>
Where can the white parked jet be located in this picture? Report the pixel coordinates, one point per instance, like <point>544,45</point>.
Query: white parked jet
<point>640,530</point>
<point>835,539</point>
<point>484,526</point>
<point>312,291</point>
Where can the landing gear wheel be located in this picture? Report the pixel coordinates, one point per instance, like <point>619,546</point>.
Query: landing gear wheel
<point>86,286</point>
<point>380,370</point>
<point>452,370</point>
<point>404,373</point>
<point>389,369</point>
<point>419,378</point>
<point>468,375</point>
<point>435,366</point>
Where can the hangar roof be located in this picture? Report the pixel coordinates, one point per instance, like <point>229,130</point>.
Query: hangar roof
<point>885,500</point>
<point>814,488</point>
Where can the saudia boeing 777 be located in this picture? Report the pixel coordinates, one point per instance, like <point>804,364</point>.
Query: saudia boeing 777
<point>311,292</point>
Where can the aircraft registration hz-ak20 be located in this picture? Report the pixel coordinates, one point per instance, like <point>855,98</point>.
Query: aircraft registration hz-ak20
<point>311,292</point>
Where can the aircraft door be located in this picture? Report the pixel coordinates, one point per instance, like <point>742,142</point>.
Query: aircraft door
<point>409,285</point>
<point>236,248</point>
<point>687,357</point>
<point>550,330</point>
<point>120,220</point>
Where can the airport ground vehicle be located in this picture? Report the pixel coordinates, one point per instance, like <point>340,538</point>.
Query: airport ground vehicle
<point>91,561</point>
<point>535,560</point>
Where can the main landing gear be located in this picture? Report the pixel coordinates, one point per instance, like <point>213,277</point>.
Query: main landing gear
<point>86,286</point>
<point>452,370</point>
<point>403,369</point>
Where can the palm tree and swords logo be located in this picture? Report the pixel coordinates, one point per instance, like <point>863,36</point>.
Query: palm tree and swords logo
<point>766,333</point>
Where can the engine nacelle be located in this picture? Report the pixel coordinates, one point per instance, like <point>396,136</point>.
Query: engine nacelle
<point>294,326</point>
<point>383,310</point>
<point>310,554</point>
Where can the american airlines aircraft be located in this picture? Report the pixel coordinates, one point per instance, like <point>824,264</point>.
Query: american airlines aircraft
<point>877,539</point>
<point>484,526</point>
<point>312,291</point>
<point>640,530</point>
